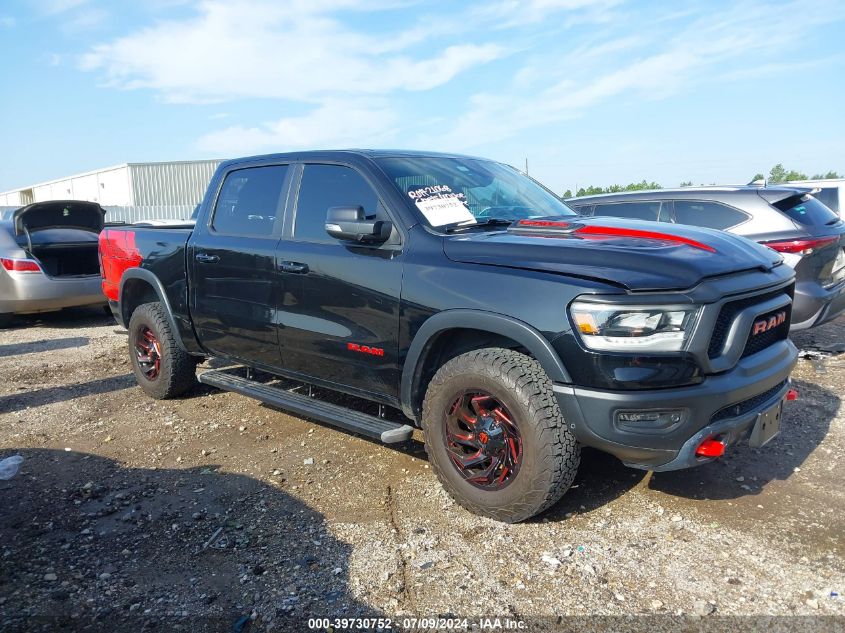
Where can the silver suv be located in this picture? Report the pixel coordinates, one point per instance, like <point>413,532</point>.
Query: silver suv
<point>809,236</point>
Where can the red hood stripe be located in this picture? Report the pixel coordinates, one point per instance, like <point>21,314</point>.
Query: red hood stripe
<point>611,231</point>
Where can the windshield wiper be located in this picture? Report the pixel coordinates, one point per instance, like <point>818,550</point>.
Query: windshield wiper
<point>460,226</point>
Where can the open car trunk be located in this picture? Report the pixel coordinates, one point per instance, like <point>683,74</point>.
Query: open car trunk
<point>61,235</point>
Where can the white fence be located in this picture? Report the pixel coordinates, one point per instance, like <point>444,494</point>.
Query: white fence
<point>156,212</point>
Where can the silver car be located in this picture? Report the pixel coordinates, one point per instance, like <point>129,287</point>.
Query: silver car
<point>48,252</point>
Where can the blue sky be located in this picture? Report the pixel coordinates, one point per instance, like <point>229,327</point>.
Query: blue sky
<point>588,91</point>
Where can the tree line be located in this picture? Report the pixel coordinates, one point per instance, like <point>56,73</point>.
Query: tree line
<point>777,174</point>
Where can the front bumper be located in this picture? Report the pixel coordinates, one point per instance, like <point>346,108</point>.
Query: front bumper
<point>725,404</point>
<point>814,305</point>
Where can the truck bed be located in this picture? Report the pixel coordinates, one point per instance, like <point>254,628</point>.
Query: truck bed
<point>129,246</point>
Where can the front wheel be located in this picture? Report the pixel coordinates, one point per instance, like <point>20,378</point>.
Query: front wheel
<point>161,367</point>
<point>495,435</point>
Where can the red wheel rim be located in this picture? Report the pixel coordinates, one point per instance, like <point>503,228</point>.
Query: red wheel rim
<point>482,440</point>
<point>148,353</point>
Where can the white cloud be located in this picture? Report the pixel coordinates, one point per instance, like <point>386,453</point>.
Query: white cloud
<point>7,22</point>
<point>336,123</point>
<point>706,50</point>
<point>345,74</point>
<point>293,51</point>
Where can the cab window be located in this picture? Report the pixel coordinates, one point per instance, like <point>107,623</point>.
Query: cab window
<point>249,201</point>
<point>325,186</point>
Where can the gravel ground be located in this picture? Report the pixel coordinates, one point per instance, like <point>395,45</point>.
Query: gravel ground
<point>214,512</point>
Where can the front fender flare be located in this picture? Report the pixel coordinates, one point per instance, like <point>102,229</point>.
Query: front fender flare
<point>529,338</point>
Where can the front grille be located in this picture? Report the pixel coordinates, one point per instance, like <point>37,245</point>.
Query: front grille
<point>728,314</point>
<point>761,341</point>
<point>741,408</point>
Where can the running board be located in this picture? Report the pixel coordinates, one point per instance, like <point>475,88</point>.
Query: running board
<point>354,421</point>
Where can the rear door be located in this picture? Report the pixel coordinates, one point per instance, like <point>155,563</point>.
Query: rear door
<point>709,214</point>
<point>235,287</point>
<point>581,209</point>
<point>634,210</point>
<point>343,327</point>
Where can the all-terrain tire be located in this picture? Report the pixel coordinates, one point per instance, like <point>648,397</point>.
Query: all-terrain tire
<point>176,371</point>
<point>550,452</point>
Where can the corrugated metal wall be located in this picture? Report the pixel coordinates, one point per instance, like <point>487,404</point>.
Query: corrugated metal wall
<point>170,184</point>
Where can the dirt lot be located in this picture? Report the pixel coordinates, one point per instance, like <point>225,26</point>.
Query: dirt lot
<point>201,512</point>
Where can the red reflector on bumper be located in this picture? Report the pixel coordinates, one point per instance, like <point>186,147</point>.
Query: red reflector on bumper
<point>792,394</point>
<point>710,448</point>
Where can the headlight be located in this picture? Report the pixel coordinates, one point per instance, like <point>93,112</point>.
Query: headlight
<point>633,329</point>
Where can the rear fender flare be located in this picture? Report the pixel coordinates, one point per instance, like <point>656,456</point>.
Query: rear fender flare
<point>529,338</point>
<point>149,277</point>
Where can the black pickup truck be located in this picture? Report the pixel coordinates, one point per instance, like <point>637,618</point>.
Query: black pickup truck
<point>457,295</point>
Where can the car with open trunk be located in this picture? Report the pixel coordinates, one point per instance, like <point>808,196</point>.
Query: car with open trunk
<point>48,252</point>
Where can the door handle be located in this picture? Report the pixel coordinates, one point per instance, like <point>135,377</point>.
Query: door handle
<point>205,258</point>
<point>293,267</point>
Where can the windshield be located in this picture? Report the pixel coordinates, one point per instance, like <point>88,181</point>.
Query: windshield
<point>469,191</point>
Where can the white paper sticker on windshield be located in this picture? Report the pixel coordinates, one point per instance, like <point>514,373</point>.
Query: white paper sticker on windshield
<point>440,205</point>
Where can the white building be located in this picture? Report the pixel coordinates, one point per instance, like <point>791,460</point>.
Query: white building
<point>831,191</point>
<point>131,192</point>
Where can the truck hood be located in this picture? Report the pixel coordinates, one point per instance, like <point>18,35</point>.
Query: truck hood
<point>59,214</point>
<point>638,255</point>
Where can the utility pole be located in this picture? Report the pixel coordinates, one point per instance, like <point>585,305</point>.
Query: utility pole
<point>526,164</point>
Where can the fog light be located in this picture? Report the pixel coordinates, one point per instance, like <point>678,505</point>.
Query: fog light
<point>649,419</point>
<point>710,448</point>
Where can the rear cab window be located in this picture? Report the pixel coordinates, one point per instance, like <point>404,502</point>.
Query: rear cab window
<point>806,210</point>
<point>249,200</point>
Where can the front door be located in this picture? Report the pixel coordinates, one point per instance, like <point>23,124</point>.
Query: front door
<point>344,326</point>
<point>235,285</point>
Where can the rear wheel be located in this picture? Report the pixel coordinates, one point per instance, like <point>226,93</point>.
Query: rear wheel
<point>161,367</point>
<point>495,435</point>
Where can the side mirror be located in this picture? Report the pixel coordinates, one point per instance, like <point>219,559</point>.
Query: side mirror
<point>351,225</point>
